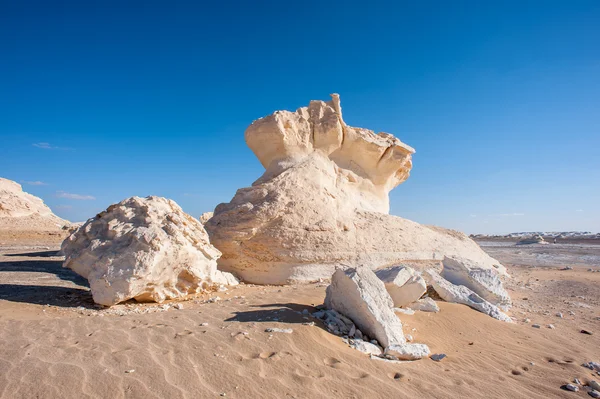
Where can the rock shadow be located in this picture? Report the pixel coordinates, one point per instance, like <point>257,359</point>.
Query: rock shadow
<point>38,254</point>
<point>43,266</point>
<point>277,313</point>
<point>48,295</point>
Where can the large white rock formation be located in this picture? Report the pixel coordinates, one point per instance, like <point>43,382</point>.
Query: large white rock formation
<point>144,248</point>
<point>23,212</point>
<point>323,201</point>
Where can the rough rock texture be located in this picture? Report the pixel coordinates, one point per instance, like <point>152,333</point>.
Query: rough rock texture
<point>463,295</point>
<point>408,351</point>
<point>366,347</point>
<point>323,202</point>
<point>143,248</point>
<point>359,295</point>
<point>404,284</point>
<point>205,217</point>
<point>484,282</point>
<point>22,211</point>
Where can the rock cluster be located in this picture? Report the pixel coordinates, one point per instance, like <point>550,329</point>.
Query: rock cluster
<point>360,307</point>
<point>144,248</point>
<point>323,202</point>
<point>21,211</point>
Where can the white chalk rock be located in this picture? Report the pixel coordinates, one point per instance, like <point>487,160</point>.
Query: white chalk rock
<point>407,351</point>
<point>425,305</point>
<point>366,347</point>
<point>205,217</point>
<point>323,201</point>
<point>21,211</point>
<point>404,284</point>
<point>359,295</point>
<point>484,282</point>
<point>144,248</point>
<point>463,295</point>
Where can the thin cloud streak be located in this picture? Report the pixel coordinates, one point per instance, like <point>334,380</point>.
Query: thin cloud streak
<point>47,146</point>
<point>79,197</point>
<point>34,183</point>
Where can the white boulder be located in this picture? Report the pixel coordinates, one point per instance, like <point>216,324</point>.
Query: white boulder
<point>463,295</point>
<point>323,201</point>
<point>359,295</point>
<point>484,282</point>
<point>143,248</point>
<point>366,347</point>
<point>407,351</point>
<point>404,284</point>
<point>425,305</point>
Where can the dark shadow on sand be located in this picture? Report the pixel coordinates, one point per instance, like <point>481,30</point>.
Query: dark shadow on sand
<point>43,266</point>
<point>277,313</point>
<point>47,295</point>
<point>39,254</point>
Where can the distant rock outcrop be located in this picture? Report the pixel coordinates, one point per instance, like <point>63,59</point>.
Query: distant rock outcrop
<point>535,239</point>
<point>144,248</point>
<point>323,202</point>
<point>21,211</point>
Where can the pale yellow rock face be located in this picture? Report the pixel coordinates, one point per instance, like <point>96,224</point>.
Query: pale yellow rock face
<point>20,210</point>
<point>323,202</point>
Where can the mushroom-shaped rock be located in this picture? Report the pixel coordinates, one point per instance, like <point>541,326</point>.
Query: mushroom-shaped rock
<point>323,201</point>
<point>463,295</point>
<point>359,295</point>
<point>404,284</point>
<point>143,248</point>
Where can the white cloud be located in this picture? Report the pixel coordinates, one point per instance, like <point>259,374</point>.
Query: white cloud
<point>62,194</point>
<point>47,146</point>
<point>34,183</point>
<point>508,214</point>
<point>473,216</point>
<point>579,210</point>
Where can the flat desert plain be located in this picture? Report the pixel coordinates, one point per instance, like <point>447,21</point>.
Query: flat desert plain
<point>56,343</point>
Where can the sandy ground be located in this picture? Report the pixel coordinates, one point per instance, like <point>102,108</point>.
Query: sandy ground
<point>55,343</point>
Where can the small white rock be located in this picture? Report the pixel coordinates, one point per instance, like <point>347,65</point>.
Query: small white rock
<point>572,388</point>
<point>279,330</point>
<point>178,306</point>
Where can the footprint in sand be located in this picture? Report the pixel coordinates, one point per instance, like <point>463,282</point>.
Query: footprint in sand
<point>396,376</point>
<point>183,334</point>
<point>333,362</point>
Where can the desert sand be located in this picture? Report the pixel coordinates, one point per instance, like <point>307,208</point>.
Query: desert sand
<point>56,343</point>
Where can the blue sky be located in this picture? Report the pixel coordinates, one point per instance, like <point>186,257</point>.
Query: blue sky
<point>103,100</point>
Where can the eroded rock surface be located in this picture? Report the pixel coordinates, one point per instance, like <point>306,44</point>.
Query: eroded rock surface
<point>463,295</point>
<point>22,211</point>
<point>359,295</point>
<point>484,282</point>
<point>144,248</point>
<point>404,284</point>
<point>323,202</point>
